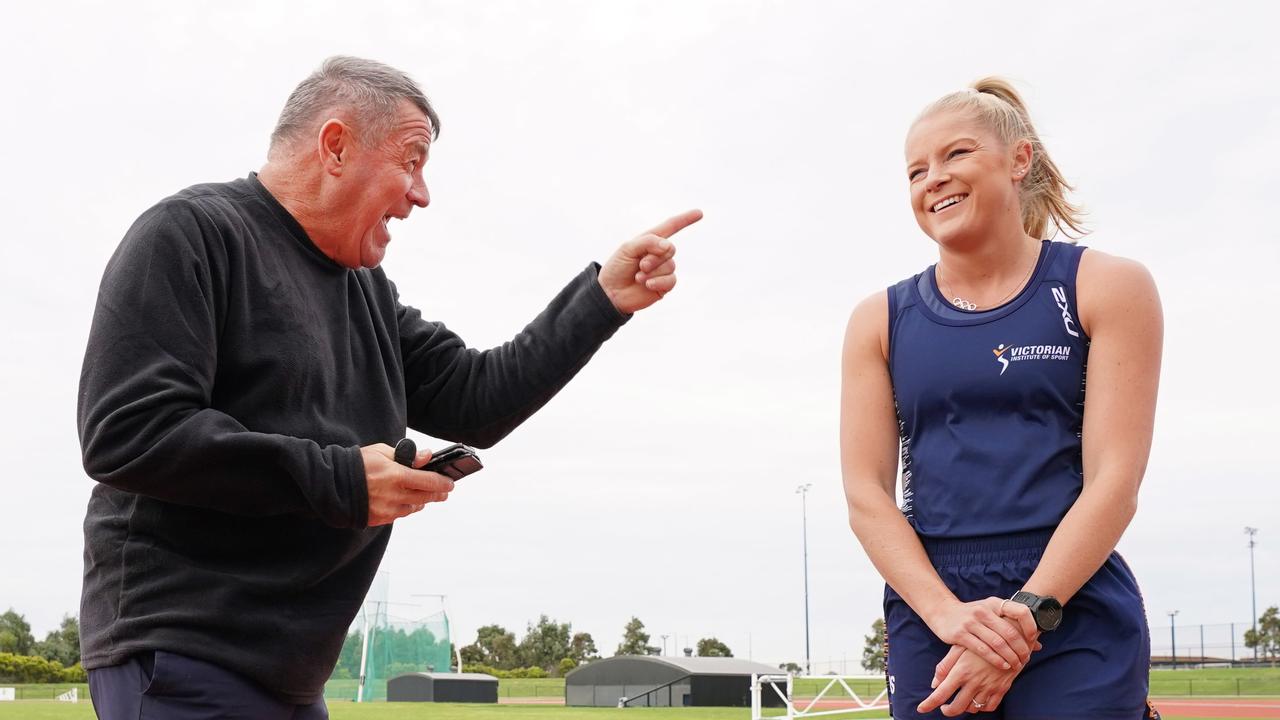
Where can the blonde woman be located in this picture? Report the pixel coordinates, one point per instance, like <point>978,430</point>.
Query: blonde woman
<point>1004,593</point>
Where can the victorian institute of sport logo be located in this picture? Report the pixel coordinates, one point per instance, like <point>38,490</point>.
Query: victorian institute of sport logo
<point>1006,354</point>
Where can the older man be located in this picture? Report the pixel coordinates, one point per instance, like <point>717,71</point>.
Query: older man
<point>247,366</point>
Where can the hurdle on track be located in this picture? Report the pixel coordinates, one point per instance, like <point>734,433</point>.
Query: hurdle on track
<point>814,707</point>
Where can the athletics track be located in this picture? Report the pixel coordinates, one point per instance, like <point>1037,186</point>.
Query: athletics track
<point>1209,707</point>
<point>1226,707</point>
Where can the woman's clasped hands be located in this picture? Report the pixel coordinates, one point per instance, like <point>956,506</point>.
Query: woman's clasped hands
<point>991,641</point>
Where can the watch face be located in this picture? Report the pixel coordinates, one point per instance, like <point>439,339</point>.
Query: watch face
<point>1046,610</point>
<point>1048,613</point>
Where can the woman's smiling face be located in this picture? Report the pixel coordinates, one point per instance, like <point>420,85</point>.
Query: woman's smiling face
<point>964,181</point>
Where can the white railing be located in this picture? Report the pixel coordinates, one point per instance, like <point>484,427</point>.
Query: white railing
<point>820,704</point>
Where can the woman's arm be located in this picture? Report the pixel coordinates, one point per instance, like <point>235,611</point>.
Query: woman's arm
<point>869,462</point>
<point>1120,311</point>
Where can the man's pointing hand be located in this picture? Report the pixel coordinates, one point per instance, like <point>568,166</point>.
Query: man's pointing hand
<point>644,268</point>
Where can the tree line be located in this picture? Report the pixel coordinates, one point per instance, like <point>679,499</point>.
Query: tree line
<point>552,649</point>
<point>1267,637</point>
<point>23,659</point>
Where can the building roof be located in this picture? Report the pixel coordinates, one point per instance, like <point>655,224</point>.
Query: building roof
<point>718,665</point>
<point>642,669</point>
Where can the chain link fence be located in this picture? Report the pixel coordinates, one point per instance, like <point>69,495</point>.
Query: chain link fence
<point>1205,645</point>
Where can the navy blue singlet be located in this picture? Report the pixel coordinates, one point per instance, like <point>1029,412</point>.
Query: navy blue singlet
<point>990,404</point>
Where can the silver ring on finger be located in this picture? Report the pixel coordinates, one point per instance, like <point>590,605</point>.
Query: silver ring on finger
<point>1000,612</point>
<point>977,704</point>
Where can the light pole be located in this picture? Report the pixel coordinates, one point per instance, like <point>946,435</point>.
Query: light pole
<point>803,492</point>
<point>1253,587</point>
<point>664,643</point>
<point>1173,638</point>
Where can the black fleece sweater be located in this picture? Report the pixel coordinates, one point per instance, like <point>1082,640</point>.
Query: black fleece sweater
<point>232,373</point>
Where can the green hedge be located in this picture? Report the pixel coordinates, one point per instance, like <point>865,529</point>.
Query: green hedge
<point>529,672</point>
<point>34,669</point>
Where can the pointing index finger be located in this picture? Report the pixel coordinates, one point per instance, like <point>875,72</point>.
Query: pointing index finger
<point>676,223</point>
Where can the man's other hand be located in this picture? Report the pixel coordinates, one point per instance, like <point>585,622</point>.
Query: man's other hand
<point>395,490</point>
<point>644,269</point>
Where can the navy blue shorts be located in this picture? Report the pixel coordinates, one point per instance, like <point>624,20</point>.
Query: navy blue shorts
<point>1094,666</point>
<point>166,686</point>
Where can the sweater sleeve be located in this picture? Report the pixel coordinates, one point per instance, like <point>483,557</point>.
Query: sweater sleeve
<point>478,397</point>
<point>146,420</point>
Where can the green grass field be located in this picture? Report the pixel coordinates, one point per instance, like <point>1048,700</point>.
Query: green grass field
<point>1172,683</point>
<point>1193,683</point>
<point>36,700</point>
<point>1216,681</point>
<point>50,710</point>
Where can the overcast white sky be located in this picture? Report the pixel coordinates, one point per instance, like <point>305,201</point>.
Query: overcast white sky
<point>661,482</point>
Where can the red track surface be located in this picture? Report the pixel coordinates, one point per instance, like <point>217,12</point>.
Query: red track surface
<point>1219,707</point>
<point>1183,708</point>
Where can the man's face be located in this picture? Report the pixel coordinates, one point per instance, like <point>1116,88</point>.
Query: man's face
<point>382,181</point>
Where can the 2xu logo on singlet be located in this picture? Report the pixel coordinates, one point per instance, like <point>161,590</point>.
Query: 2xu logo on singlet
<point>1006,354</point>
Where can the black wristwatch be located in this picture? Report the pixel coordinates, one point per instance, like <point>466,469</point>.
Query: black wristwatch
<point>1046,609</point>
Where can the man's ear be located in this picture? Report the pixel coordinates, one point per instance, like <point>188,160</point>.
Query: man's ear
<point>334,145</point>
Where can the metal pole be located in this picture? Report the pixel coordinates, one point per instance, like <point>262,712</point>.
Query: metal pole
<point>803,490</point>
<point>1201,644</point>
<point>791,696</point>
<point>804,517</point>
<point>1173,639</point>
<point>1233,644</point>
<point>1253,586</point>
<point>364,653</point>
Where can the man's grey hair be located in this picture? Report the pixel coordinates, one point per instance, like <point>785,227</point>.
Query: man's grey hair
<point>371,90</point>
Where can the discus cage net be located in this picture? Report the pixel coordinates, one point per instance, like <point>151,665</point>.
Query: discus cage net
<point>384,641</point>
